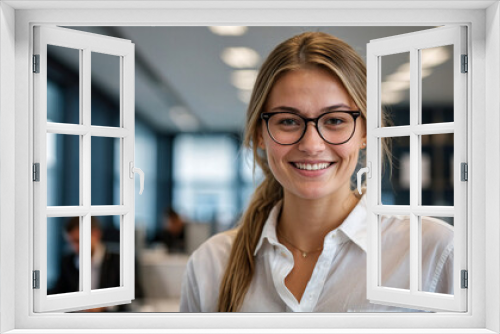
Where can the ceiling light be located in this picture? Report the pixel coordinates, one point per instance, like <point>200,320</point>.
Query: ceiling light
<point>392,97</point>
<point>183,119</point>
<point>391,86</point>
<point>434,57</point>
<point>228,30</point>
<point>244,79</point>
<point>240,57</point>
<point>405,76</point>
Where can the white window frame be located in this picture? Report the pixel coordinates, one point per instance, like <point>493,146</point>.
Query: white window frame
<point>413,43</point>
<point>86,44</point>
<point>16,126</point>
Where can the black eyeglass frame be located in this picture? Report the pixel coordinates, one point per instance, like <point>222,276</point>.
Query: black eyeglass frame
<point>266,116</point>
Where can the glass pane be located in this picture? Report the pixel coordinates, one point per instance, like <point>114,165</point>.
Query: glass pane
<point>104,179</point>
<point>105,252</point>
<point>395,181</point>
<point>199,158</point>
<point>394,252</point>
<point>63,170</point>
<point>63,85</point>
<point>437,84</point>
<point>105,90</point>
<point>437,169</point>
<point>395,89</point>
<point>63,246</point>
<point>436,243</point>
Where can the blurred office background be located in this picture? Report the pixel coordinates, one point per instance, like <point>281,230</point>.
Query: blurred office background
<point>192,89</point>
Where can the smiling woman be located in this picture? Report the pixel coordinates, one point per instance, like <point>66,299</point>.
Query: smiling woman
<point>304,233</point>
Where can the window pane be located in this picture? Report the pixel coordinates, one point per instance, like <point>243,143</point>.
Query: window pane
<point>104,182</point>
<point>395,88</point>
<point>105,252</point>
<point>204,158</point>
<point>437,84</point>
<point>395,181</point>
<point>63,269</point>
<point>63,170</point>
<point>63,66</point>
<point>437,169</point>
<point>437,265</point>
<point>105,90</point>
<point>146,158</point>
<point>394,252</point>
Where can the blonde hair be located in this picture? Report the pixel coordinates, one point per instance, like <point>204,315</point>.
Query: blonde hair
<point>307,50</point>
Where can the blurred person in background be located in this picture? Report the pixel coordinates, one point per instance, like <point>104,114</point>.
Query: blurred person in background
<point>105,264</point>
<point>173,232</point>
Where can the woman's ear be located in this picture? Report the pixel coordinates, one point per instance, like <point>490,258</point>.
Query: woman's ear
<point>260,139</point>
<point>363,141</point>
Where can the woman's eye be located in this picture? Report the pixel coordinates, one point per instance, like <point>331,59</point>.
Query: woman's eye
<point>334,121</point>
<point>289,122</point>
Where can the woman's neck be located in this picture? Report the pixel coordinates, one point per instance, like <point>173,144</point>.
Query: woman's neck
<point>306,222</point>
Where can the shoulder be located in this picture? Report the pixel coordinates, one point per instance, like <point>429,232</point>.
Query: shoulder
<point>214,252</point>
<point>437,235</point>
<point>204,272</point>
<point>434,232</point>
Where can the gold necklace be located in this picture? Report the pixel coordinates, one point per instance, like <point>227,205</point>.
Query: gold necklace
<point>304,253</point>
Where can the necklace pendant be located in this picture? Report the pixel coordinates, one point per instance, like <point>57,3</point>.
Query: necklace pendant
<point>304,254</point>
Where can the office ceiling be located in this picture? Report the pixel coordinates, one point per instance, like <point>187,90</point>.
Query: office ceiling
<point>181,79</point>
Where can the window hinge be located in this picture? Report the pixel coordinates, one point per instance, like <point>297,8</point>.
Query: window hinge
<point>36,172</point>
<point>465,64</point>
<point>36,63</point>
<point>464,171</point>
<point>36,279</point>
<point>465,279</point>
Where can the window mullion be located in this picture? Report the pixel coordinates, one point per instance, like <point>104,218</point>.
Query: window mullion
<point>414,169</point>
<point>85,179</point>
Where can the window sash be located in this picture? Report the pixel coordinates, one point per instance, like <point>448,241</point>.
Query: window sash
<point>412,43</point>
<point>86,43</point>
<point>479,321</point>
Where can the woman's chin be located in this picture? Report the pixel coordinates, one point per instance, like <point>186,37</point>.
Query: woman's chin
<point>312,194</point>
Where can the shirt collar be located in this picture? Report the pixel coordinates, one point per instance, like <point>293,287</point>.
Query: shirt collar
<point>98,256</point>
<point>269,230</point>
<point>353,227</point>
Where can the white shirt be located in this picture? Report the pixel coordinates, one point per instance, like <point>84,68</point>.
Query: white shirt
<point>96,264</point>
<point>338,281</point>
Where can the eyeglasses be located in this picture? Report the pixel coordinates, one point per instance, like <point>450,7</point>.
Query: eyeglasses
<point>287,128</point>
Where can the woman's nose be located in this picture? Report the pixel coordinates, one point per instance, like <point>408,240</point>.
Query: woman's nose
<point>311,142</point>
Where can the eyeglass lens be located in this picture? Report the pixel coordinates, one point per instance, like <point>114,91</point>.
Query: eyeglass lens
<point>334,127</point>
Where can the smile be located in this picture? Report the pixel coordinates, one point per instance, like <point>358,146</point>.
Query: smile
<point>317,166</point>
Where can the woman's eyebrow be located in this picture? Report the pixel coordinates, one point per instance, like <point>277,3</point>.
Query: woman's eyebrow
<point>285,108</point>
<point>326,109</point>
<point>336,106</point>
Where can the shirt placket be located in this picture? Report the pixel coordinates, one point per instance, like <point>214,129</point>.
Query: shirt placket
<point>282,264</point>
<point>318,277</point>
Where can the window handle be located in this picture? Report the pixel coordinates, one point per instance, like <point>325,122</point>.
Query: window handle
<point>368,171</point>
<point>134,170</point>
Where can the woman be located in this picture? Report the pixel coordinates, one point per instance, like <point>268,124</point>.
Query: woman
<point>301,244</point>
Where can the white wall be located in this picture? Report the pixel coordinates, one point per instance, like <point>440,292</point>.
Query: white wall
<point>492,163</point>
<point>7,160</point>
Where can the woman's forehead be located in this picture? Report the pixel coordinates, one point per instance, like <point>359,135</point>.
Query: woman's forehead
<point>308,88</point>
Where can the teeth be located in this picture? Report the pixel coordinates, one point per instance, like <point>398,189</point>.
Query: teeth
<point>312,166</point>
